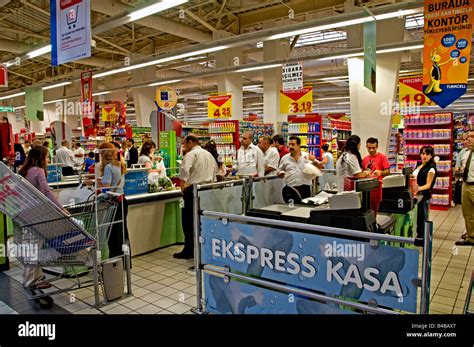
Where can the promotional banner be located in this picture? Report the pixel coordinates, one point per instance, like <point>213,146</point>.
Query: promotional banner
<point>109,113</point>
<point>296,101</point>
<point>34,103</point>
<point>3,76</point>
<point>370,53</point>
<point>219,106</point>
<point>7,109</point>
<point>410,92</point>
<point>292,76</point>
<point>166,98</point>
<point>70,30</point>
<point>350,269</point>
<point>86,94</point>
<point>447,49</point>
<point>235,297</point>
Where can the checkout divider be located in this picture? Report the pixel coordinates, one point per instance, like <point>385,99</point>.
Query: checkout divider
<point>257,265</point>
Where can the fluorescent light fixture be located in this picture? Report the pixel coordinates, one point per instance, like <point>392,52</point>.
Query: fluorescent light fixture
<point>163,83</point>
<point>155,8</point>
<point>19,107</point>
<point>470,79</point>
<point>333,98</point>
<point>342,56</point>
<point>333,78</point>
<point>381,51</point>
<point>253,86</point>
<point>57,85</point>
<point>159,61</point>
<point>39,51</point>
<point>391,50</point>
<point>258,68</point>
<point>468,96</point>
<point>100,93</point>
<point>12,96</point>
<point>53,101</point>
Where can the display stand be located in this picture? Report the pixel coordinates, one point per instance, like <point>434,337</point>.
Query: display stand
<point>226,136</point>
<point>433,129</point>
<point>309,130</point>
<point>258,129</point>
<point>201,132</point>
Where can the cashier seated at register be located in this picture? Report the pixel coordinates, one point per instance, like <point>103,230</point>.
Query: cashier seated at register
<point>349,163</point>
<point>292,166</point>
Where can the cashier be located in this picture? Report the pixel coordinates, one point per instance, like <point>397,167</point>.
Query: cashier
<point>148,159</point>
<point>250,158</point>
<point>293,164</point>
<point>349,163</point>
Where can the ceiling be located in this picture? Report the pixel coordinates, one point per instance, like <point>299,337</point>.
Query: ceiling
<point>24,26</point>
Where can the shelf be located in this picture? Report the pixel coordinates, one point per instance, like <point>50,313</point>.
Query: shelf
<point>436,155</point>
<point>426,124</point>
<point>444,189</point>
<point>337,129</point>
<point>429,139</point>
<point>311,146</point>
<point>305,133</point>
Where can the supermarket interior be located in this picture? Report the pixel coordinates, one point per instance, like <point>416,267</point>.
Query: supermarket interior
<point>236,157</point>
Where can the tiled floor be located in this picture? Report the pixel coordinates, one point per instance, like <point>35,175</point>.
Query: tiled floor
<point>164,285</point>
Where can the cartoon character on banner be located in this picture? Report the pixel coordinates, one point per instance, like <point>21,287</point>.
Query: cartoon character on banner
<point>435,71</point>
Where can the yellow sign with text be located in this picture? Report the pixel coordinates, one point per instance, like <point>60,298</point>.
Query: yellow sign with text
<point>410,92</point>
<point>296,101</point>
<point>109,113</point>
<point>219,106</point>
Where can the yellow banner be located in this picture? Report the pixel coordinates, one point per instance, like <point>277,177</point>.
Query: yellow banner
<point>219,106</point>
<point>410,92</point>
<point>296,101</point>
<point>109,113</point>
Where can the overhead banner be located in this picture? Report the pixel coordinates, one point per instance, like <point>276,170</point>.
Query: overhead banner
<point>34,103</point>
<point>370,54</point>
<point>70,30</point>
<point>410,92</point>
<point>292,76</point>
<point>219,106</point>
<point>86,94</point>
<point>354,270</point>
<point>3,76</point>
<point>296,101</point>
<point>109,113</point>
<point>447,49</point>
<point>166,98</point>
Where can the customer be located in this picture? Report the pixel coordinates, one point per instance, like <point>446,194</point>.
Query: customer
<point>293,165</point>
<point>110,175</point>
<point>211,147</point>
<point>34,171</point>
<point>378,165</point>
<point>198,167</point>
<point>250,161</point>
<point>461,160</point>
<point>27,147</point>
<point>132,153</point>
<point>65,157</point>
<point>468,195</point>
<point>79,156</point>
<point>89,161</point>
<point>349,163</point>
<point>147,158</point>
<point>270,155</point>
<point>326,163</point>
<point>425,174</point>
<point>19,156</point>
<point>279,144</point>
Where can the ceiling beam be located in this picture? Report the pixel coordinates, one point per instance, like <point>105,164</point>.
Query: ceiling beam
<point>200,20</point>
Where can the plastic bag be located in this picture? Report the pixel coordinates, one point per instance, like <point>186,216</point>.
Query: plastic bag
<point>311,170</point>
<point>75,196</point>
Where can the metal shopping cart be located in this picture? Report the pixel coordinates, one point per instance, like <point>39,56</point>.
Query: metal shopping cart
<point>48,236</point>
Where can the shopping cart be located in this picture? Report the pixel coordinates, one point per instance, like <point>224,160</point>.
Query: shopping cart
<point>48,236</point>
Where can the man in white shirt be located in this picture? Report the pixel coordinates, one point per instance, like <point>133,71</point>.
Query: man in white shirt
<point>65,157</point>
<point>250,160</point>
<point>79,154</point>
<point>270,155</point>
<point>198,167</point>
<point>293,164</point>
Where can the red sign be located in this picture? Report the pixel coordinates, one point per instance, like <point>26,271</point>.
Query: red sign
<point>68,3</point>
<point>86,94</point>
<point>3,76</point>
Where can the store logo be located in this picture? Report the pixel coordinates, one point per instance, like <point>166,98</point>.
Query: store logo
<point>345,250</point>
<point>37,330</point>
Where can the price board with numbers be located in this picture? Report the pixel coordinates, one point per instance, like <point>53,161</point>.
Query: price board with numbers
<point>411,92</point>
<point>219,106</point>
<point>296,101</point>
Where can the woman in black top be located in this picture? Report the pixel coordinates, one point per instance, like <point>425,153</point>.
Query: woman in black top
<point>425,174</point>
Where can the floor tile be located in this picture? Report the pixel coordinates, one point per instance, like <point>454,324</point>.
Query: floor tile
<point>179,308</point>
<point>165,303</point>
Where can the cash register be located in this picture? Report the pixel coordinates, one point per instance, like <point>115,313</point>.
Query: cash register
<point>396,194</point>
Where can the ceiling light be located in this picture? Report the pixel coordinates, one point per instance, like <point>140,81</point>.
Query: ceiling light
<point>155,8</point>
<point>53,101</point>
<point>333,78</point>
<point>253,86</point>
<point>12,96</point>
<point>100,93</point>
<point>333,98</point>
<point>57,85</point>
<point>19,107</point>
<point>257,68</point>
<point>391,50</point>
<point>39,51</point>
<point>163,82</point>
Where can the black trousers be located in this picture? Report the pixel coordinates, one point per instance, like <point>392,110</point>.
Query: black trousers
<point>304,190</point>
<point>67,171</point>
<point>116,233</point>
<point>187,221</point>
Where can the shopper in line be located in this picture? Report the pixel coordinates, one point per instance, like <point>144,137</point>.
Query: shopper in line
<point>250,160</point>
<point>65,157</point>
<point>270,155</point>
<point>110,176</point>
<point>461,160</point>
<point>79,156</point>
<point>326,163</point>
<point>467,202</point>
<point>279,144</point>
<point>19,156</point>
<point>198,167</point>
<point>378,165</point>
<point>293,165</point>
<point>89,161</point>
<point>34,171</point>
<point>27,147</point>
<point>146,154</point>
<point>132,153</point>
<point>349,163</point>
<point>425,175</point>
<point>211,147</point>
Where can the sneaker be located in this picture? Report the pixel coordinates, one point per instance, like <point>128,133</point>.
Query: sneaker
<point>464,236</point>
<point>183,255</point>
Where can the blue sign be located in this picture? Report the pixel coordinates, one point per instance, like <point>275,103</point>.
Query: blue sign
<point>70,30</point>
<point>448,40</point>
<point>341,267</point>
<point>461,44</point>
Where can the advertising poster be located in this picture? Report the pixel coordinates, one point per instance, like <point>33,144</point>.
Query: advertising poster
<point>219,106</point>
<point>3,76</point>
<point>70,30</point>
<point>86,94</point>
<point>34,103</point>
<point>411,92</point>
<point>292,76</point>
<point>296,101</point>
<point>109,113</point>
<point>348,269</point>
<point>370,53</point>
<point>166,98</point>
<point>447,49</point>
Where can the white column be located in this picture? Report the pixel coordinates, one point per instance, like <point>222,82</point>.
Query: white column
<point>143,98</point>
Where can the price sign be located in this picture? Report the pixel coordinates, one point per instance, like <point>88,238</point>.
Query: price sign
<point>219,106</point>
<point>166,98</point>
<point>411,92</point>
<point>296,101</point>
<point>109,113</point>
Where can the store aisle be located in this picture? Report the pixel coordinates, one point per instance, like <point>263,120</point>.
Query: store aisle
<point>164,285</point>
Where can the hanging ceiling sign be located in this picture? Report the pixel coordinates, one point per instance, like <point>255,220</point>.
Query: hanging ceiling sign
<point>86,94</point>
<point>370,55</point>
<point>70,30</point>
<point>447,49</point>
<point>219,106</point>
<point>3,76</point>
<point>166,98</point>
<point>296,101</point>
<point>410,92</point>
<point>109,113</point>
<point>292,76</point>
